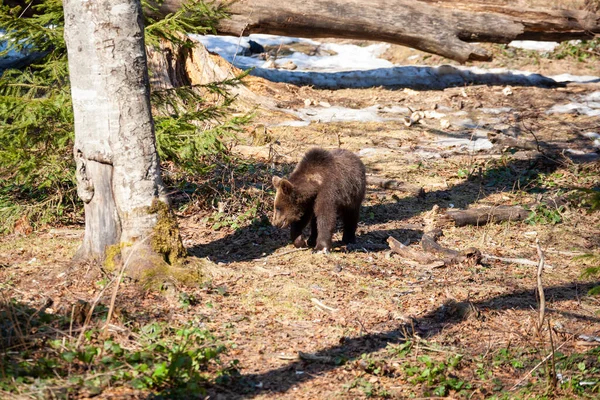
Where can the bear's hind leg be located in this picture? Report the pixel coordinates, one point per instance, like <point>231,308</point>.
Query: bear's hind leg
<point>312,240</point>
<point>350,221</point>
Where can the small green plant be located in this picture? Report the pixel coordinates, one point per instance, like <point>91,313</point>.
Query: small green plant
<point>402,349</point>
<point>592,271</point>
<point>223,220</point>
<point>174,361</point>
<point>368,388</point>
<point>589,198</point>
<point>438,375</point>
<point>505,356</point>
<point>463,173</point>
<point>580,372</point>
<point>580,50</point>
<point>543,214</point>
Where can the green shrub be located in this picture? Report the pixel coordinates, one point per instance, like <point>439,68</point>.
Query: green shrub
<point>36,117</point>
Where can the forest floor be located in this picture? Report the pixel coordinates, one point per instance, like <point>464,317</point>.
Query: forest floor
<point>361,321</point>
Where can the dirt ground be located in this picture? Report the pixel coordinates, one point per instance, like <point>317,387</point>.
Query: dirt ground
<point>333,326</point>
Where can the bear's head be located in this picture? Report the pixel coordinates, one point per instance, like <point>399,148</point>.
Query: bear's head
<point>287,208</point>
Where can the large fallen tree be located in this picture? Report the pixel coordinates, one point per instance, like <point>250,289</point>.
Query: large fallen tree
<point>447,28</point>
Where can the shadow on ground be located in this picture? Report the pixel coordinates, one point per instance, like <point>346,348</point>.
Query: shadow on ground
<point>414,77</point>
<point>280,380</point>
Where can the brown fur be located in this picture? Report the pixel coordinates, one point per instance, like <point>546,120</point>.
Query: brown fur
<point>323,185</point>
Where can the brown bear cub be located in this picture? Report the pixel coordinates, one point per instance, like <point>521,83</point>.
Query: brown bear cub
<point>323,185</point>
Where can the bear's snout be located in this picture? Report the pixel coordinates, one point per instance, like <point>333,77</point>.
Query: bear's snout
<point>278,220</point>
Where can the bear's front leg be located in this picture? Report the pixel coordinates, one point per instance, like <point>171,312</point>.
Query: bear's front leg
<point>296,230</point>
<point>325,228</point>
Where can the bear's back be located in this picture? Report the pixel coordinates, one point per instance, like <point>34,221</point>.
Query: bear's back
<point>338,175</point>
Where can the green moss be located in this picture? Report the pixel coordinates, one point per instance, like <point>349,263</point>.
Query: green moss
<point>189,274</point>
<point>112,257</point>
<point>166,239</point>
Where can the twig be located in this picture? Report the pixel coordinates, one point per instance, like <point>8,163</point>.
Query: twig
<point>563,253</point>
<point>540,287</point>
<point>553,362</point>
<point>362,327</point>
<point>433,349</point>
<point>281,254</point>
<point>286,357</point>
<point>88,317</point>
<point>323,306</point>
<point>14,320</point>
<point>522,261</point>
<point>538,365</point>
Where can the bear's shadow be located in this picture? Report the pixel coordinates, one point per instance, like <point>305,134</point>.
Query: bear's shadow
<point>259,240</point>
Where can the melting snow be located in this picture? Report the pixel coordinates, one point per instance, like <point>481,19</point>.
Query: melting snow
<point>351,66</point>
<point>478,141</point>
<point>343,114</point>
<point>590,105</point>
<point>533,45</point>
<point>500,110</point>
<point>575,78</point>
<point>342,57</point>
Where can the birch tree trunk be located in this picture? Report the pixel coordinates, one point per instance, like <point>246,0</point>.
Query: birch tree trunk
<point>117,165</point>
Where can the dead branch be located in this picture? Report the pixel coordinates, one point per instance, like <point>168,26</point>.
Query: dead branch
<point>433,254</point>
<point>265,259</point>
<point>410,253</point>
<point>322,306</point>
<point>540,288</point>
<point>522,261</point>
<point>449,256</point>
<point>314,357</point>
<point>392,184</point>
<point>504,141</point>
<point>554,378</point>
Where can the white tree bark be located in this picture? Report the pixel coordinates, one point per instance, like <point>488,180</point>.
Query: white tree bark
<point>117,165</point>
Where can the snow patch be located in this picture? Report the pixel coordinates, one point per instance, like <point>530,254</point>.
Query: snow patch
<point>533,45</point>
<point>342,114</point>
<point>592,135</point>
<point>575,78</point>
<point>595,96</point>
<point>590,105</point>
<point>294,123</point>
<point>496,111</point>
<point>466,144</point>
<point>343,56</point>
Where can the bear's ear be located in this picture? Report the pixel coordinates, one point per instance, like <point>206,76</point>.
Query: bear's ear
<point>286,187</point>
<point>276,181</point>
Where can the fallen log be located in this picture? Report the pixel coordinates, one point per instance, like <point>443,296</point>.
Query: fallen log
<point>485,215</point>
<point>447,28</point>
